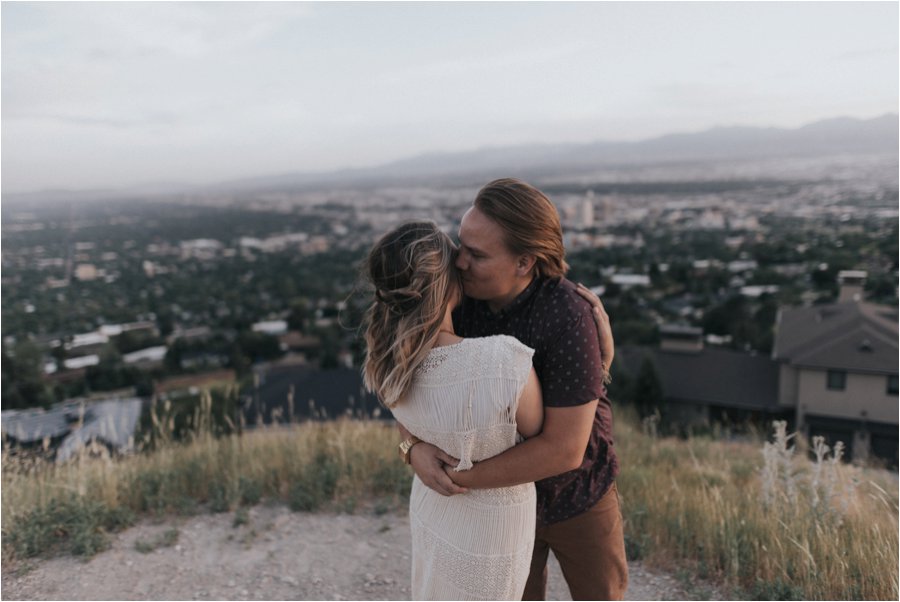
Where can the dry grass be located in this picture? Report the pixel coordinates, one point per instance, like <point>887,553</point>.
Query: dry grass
<point>826,533</point>
<point>338,465</point>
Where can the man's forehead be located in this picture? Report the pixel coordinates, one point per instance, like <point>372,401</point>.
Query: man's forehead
<point>473,244</point>
<point>476,231</point>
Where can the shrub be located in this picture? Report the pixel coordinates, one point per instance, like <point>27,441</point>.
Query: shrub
<point>218,498</point>
<point>772,590</point>
<point>241,517</point>
<point>392,478</point>
<point>250,491</point>
<point>165,539</point>
<point>303,499</point>
<point>77,527</point>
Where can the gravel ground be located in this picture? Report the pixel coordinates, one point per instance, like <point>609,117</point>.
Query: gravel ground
<point>274,555</point>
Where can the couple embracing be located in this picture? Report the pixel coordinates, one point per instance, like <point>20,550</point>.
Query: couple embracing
<point>491,362</point>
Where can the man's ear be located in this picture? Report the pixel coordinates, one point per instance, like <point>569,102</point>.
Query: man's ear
<point>524,264</point>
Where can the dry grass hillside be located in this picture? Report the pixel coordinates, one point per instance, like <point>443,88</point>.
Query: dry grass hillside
<point>761,520</point>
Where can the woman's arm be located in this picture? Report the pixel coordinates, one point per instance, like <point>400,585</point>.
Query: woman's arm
<point>530,413</point>
<point>604,330</point>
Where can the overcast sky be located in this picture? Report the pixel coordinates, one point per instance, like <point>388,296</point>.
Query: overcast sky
<point>98,95</point>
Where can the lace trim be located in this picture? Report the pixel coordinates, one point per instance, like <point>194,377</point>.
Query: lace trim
<point>483,577</point>
<point>487,350</point>
<point>502,496</point>
<point>435,358</point>
<point>471,446</point>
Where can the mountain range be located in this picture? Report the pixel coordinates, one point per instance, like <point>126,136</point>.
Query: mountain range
<point>842,136</point>
<point>838,136</point>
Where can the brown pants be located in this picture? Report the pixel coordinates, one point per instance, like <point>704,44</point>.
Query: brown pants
<point>590,549</point>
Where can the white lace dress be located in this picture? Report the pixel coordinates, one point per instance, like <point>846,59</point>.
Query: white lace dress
<point>473,546</point>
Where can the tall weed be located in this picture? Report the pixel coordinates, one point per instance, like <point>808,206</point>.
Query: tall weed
<point>772,525</point>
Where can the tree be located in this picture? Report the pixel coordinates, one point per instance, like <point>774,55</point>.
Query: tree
<point>656,276</point>
<point>259,346</point>
<point>648,391</point>
<point>131,340</point>
<point>725,318</point>
<point>174,353</point>
<point>111,373</point>
<point>23,382</point>
<point>165,322</point>
<point>612,290</point>
<point>300,316</point>
<point>619,387</point>
<point>239,362</point>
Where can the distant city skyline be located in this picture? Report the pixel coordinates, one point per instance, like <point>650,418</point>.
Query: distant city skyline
<point>109,95</point>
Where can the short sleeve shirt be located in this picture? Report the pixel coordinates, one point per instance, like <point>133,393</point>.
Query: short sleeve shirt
<point>553,319</point>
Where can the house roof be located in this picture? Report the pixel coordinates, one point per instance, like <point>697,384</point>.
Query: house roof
<point>149,354</point>
<point>855,336</point>
<point>31,426</point>
<point>112,422</point>
<point>330,391</point>
<point>711,376</point>
<point>680,331</point>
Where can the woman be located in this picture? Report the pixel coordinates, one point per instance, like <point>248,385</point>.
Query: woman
<point>469,397</point>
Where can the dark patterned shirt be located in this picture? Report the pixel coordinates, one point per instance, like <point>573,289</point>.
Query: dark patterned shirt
<point>553,319</point>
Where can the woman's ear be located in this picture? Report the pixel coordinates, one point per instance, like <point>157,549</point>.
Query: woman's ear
<point>525,264</point>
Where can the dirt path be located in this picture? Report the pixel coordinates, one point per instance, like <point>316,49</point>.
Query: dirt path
<point>274,555</point>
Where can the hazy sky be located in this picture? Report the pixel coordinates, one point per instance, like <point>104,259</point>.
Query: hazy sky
<point>116,94</point>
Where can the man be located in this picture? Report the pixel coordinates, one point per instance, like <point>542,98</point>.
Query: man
<point>512,264</point>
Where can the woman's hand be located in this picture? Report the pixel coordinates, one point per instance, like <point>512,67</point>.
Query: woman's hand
<point>428,462</point>
<point>607,346</point>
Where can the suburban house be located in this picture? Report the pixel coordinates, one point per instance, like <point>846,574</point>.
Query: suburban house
<point>838,370</point>
<point>703,384</point>
<point>832,372</point>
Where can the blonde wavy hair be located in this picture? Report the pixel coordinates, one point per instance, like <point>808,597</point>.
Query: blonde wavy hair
<point>415,279</point>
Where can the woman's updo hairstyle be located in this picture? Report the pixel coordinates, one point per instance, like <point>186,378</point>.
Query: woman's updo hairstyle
<point>412,270</point>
